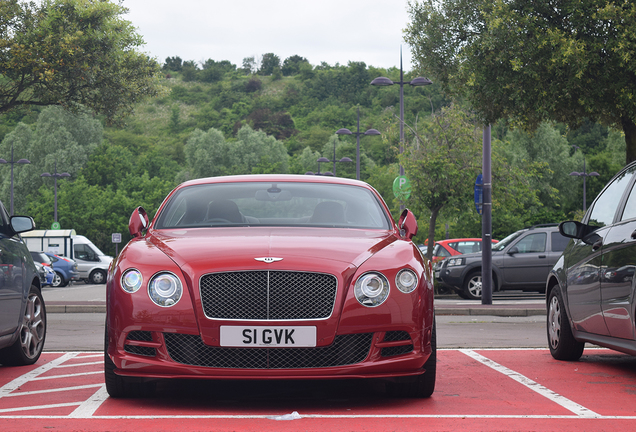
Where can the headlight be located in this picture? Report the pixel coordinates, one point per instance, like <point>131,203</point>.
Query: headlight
<point>455,262</point>
<point>371,289</point>
<point>406,280</point>
<point>165,289</point>
<point>131,280</point>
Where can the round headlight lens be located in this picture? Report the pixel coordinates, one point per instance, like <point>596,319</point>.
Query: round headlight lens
<point>371,289</point>
<point>165,289</point>
<point>131,280</point>
<point>406,280</point>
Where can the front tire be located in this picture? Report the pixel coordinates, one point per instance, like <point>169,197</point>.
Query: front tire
<point>562,344</point>
<point>124,387</point>
<point>472,286</point>
<point>423,385</point>
<point>27,348</point>
<point>97,277</point>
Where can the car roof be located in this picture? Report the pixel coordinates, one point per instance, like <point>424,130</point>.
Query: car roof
<point>296,178</point>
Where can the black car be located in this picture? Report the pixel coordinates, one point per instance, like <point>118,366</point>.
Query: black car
<point>22,311</point>
<point>590,291</point>
<point>521,261</point>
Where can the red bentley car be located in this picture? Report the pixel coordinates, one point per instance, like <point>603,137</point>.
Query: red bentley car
<point>270,277</point>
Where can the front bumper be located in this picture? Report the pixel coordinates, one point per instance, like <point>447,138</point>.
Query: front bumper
<point>363,355</point>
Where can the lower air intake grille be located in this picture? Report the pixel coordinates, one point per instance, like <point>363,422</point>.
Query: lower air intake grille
<point>345,350</point>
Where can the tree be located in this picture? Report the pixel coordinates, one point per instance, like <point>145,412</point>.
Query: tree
<point>61,138</point>
<point>292,65</point>
<point>72,53</point>
<point>269,64</point>
<point>173,64</point>
<point>531,61</point>
<point>441,167</point>
<point>249,65</point>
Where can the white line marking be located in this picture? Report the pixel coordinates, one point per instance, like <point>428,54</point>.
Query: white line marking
<point>35,407</point>
<point>29,376</point>
<point>65,376</point>
<point>82,387</point>
<point>80,364</point>
<point>324,416</point>
<point>88,408</point>
<point>566,403</point>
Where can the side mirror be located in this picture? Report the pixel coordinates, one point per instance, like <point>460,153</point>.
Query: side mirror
<point>407,224</point>
<point>138,222</point>
<point>573,229</point>
<point>513,250</point>
<point>20,224</point>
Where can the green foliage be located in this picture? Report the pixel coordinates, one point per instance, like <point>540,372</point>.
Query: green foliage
<point>72,52</point>
<point>533,61</point>
<point>269,63</point>
<point>293,64</point>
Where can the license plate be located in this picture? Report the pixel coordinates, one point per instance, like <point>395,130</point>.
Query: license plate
<point>240,336</point>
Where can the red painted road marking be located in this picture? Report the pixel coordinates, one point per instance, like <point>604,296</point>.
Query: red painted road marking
<point>476,389</point>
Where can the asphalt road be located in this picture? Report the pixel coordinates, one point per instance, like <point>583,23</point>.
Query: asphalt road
<point>85,331</point>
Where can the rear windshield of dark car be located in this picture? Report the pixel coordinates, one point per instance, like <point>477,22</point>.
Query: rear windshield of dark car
<point>274,204</point>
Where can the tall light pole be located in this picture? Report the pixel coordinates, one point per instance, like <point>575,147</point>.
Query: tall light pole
<point>419,81</point>
<point>13,162</point>
<point>55,176</point>
<point>324,159</point>
<point>345,131</point>
<point>583,174</point>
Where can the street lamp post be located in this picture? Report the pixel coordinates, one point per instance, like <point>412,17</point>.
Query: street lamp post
<point>13,162</point>
<point>419,81</point>
<point>55,176</point>
<point>324,159</point>
<point>345,131</point>
<point>583,174</point>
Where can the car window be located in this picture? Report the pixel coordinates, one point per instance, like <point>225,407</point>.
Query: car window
<point>630,207</point>
<point>440,251</point>
<point>84,252</point>
<point>559,242</point>
<point>602,214</point>
<point>532,243</point>
<point>268,204</point>
<point>468,246</point>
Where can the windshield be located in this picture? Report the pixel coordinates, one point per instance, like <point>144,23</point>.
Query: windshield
<point>273,204</point>
<point>505,242</point>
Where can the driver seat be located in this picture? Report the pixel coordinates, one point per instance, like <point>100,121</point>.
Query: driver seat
<point>224,209</point>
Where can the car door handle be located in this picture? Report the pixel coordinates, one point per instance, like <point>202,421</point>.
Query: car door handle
<point>634,234</point>
<point>542,256</point>
<point>597,245</point>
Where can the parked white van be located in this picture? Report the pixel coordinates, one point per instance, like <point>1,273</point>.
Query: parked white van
<point>92,263</point>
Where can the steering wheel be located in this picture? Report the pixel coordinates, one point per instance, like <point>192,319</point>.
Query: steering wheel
<point>219,221</point>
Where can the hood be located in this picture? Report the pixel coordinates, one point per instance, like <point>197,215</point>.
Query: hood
<point>230,248</point>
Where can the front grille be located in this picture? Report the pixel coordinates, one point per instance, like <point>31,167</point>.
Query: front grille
<point>345,350</point>
<point>397,336</point>
<point>140,335</point>
<point>140,350</point>
<point>268,295</point>
<point>397,350</point>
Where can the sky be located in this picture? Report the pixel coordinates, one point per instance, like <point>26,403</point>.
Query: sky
<point>331,31</point>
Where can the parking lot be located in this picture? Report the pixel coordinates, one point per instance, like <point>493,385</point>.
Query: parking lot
<point>500,389</point>
<point>494,373</point>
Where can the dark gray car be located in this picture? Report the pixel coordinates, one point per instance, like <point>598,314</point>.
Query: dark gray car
<point>22,311</point>
<point>521,261</point>
<point>590,291</point>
